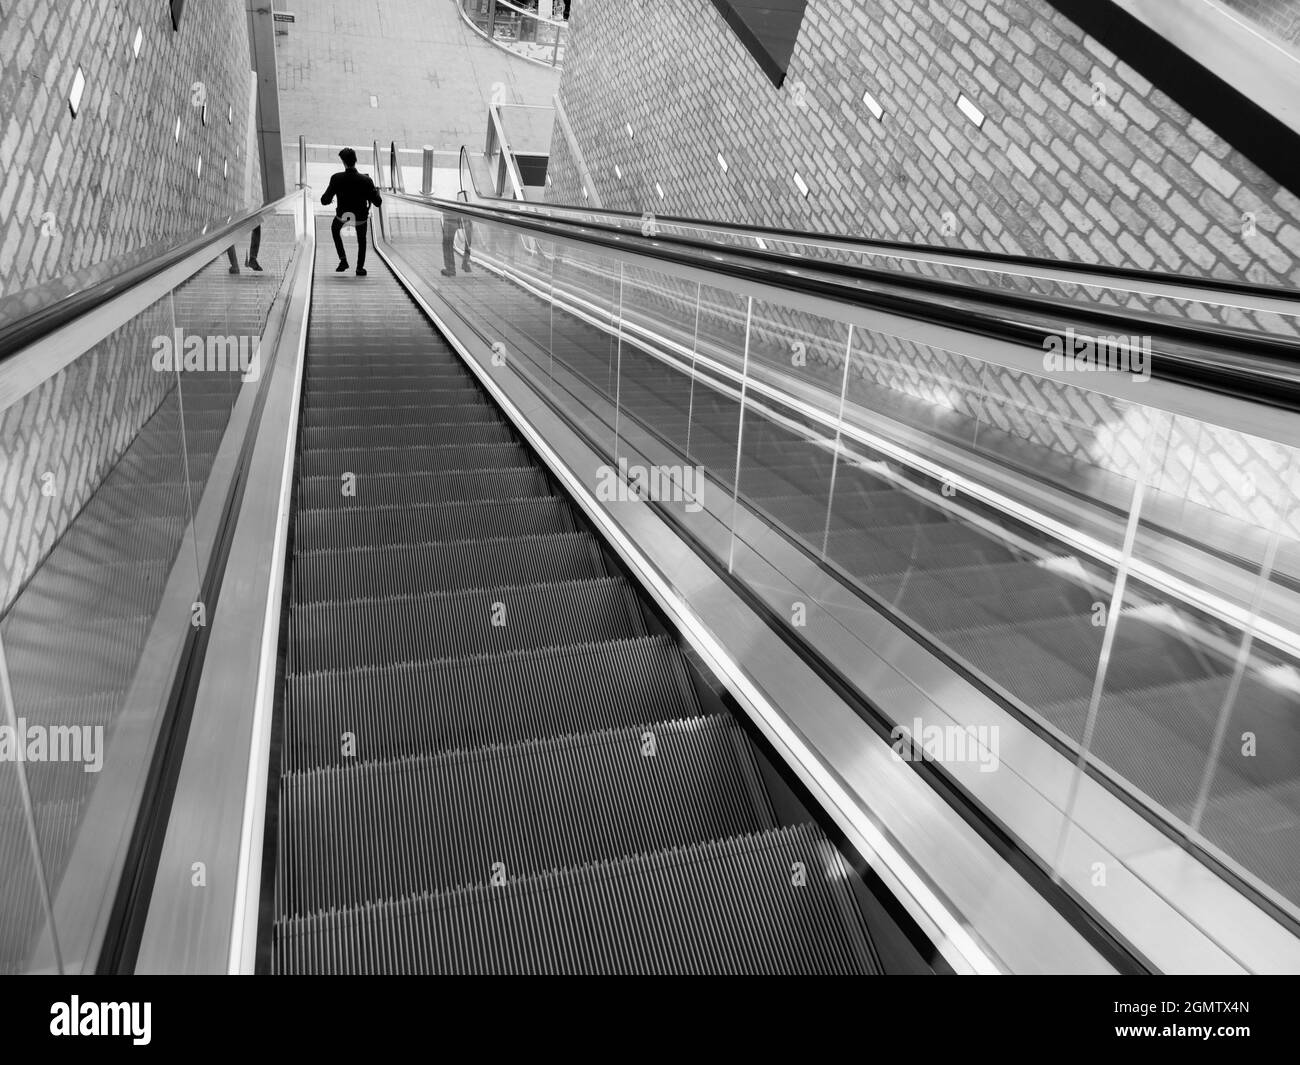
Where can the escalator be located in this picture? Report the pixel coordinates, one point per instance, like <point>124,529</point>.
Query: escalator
<point>493,758</point>
<point>439,724</point>
<point>1025,619</point>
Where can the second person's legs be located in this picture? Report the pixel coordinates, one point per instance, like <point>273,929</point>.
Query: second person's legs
<point>363,229</point>
<point>336,231</point>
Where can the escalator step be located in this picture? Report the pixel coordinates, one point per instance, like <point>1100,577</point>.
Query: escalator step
<point>418,459</point>
<point>453,624</point>
<point>726,906</point>
<point>444,486</point>
<point>487,430</point>
<point>383,830</point>
<point>412,569</point>
<point>399,710</point>
<point>416,415</point>
<point>323,530</point>
<point>379,378</point>
<point>331,397</point>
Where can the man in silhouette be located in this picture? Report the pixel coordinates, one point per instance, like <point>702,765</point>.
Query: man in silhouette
<point>355,192</point>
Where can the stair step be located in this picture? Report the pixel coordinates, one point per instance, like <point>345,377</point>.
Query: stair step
<point>382,830</point>
<point>412,569</point>
<point>489,430</point>
<point>323,530</point>
<point>446,486</point>
<point>455,624</point>
<point>319,462</point>
<point>726,906</point>
<point>419,708</point>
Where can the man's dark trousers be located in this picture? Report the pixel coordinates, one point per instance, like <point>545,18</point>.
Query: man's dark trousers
<point>336,228</point>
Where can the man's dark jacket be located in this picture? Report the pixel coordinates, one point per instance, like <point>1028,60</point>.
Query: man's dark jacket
<point>355,191</point>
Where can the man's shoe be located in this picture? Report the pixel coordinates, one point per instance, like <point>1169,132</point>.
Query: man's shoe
<point>253,264</point>
<point>343,265</point>
<point>361,271</point>
<point>234,269</point>
<point>448,273</point>
<point>467,269</point>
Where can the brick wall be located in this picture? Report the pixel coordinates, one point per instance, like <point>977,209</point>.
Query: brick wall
<point>79,195</point>
<point>1281,18</point>
<point>81,198</point>
<point>1056,170</point>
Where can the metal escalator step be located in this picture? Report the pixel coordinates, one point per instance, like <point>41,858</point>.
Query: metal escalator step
<point>1142,655</point>
<point>419,708</point>
<point>323,530</point>
<point>489,430</point>
<point>347,363</point>
<point>333,398</point>
<point>96,654</point>
<point>860,553</point>
<point>422,415</point>
<point>1015,662</point>
<point>444,486</point>
<point>411,569</point>
<point>206,441</point>
<point>97,538</point>
<point>454,624</point>
<point>727,906</point>
<point>69,590</point>
<point>1008,580</point>
<point>117,501</point>
<point>382,830</point>
<point>418,459</point>
<point>1132,724</point>
<point>379,378</point>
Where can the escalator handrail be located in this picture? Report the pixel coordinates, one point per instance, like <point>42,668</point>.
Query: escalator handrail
<point>882,246</point>
<point>25,331</point>
<point>1240,363</point>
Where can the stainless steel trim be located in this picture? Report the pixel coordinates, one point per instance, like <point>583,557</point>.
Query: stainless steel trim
<point>1099,278</point>
<point>217,810</point>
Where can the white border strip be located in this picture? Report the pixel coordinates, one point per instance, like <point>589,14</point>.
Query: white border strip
<point>248,878</point>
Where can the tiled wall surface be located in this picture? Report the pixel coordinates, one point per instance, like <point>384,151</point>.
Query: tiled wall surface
<point>79,193</point>
<point>1079,156</point>
<point>80,197</point>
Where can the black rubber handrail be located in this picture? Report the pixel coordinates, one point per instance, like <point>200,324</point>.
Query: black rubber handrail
<point>877,245</point>
<point>25,331</point>
<point>1236,362</point>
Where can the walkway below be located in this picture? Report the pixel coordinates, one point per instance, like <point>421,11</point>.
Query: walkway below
<point>430,76</point>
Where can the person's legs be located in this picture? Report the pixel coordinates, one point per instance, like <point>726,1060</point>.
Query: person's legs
<point>448,248</point>
<point>363,229</point>
<point>336,230</point>
<point>254,242</point>
<point>234,262</point>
